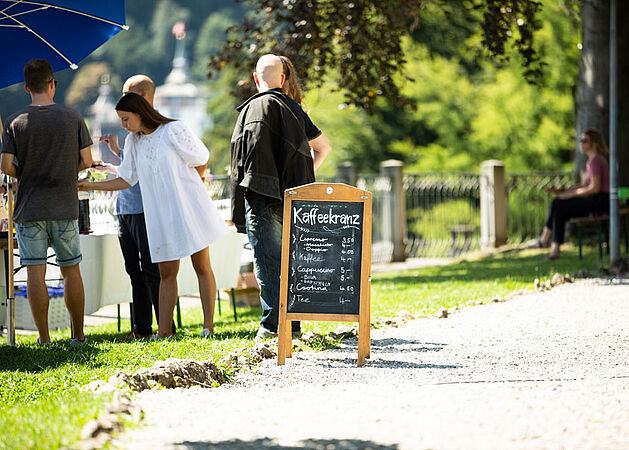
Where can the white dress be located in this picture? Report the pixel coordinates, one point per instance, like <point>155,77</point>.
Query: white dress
<point>180,216</point>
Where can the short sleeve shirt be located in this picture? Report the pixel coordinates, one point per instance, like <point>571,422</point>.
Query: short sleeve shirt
<point>46,142</point>
<point>598,166</point>
<point>312,131</point>
<point>129,200</point>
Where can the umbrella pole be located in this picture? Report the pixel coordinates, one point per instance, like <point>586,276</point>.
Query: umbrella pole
<point>9,261</point>
<point>10,293</point>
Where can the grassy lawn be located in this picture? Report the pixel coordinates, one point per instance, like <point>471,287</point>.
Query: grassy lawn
<point>40,402</point>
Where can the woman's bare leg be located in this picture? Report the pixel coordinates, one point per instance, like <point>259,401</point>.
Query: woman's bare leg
<point>207,286</point>
<point>554,251</point>
<point>545,238</point>
<point>167,296</point>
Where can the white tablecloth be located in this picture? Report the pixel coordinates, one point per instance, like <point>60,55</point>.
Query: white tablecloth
<point>106,282</point>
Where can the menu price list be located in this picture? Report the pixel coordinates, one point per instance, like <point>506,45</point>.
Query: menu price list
<point>325,257</point>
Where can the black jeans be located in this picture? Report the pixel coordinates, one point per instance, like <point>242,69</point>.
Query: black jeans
<point>144,274</point>
<point>562,210</point>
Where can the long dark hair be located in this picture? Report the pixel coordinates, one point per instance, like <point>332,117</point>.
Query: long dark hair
<point>135,103</point>
<point>597,140</point>
<point>291,87</point>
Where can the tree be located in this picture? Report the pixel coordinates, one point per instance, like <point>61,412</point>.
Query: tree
<point>362,41</point>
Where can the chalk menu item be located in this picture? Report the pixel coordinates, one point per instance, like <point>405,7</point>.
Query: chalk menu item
<point>325,257</point>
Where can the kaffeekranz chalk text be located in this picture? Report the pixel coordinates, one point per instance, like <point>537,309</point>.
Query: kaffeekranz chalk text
<point>314,216</point>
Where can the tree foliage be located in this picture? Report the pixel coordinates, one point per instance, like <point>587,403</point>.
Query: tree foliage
<point>467,109</point>
<point>361,41</point>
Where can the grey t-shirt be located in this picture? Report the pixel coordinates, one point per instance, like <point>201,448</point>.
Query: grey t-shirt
<point>46,141</point>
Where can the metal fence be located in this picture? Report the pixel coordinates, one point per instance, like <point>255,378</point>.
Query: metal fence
<point>442,209</point>
<point>442,213</point>
<point>528,202</point>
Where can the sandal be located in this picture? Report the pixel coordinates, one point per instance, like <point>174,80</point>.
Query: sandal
<point>157,337</point>
<point>537,244</point>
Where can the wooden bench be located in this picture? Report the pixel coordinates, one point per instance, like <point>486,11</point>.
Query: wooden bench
<point>601,225</point>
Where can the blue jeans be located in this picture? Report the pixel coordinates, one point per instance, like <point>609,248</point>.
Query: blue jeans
<point>264,229</point>
<point>63,235</point>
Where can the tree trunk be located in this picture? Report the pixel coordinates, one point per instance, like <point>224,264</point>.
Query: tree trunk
<point>592,95</point>
<point>623,93</point>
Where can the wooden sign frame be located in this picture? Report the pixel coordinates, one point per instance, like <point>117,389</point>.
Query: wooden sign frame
<point>326,192</point>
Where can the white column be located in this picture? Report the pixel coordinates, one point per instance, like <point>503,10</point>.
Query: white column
<point>493,224</point>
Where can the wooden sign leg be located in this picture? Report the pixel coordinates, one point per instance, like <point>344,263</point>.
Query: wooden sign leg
<point>363,342</point>
<point>281,342</point>
<point>368,319</point>
<point>288,336</point>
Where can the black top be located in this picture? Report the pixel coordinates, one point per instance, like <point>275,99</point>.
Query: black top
<point>269,149</point>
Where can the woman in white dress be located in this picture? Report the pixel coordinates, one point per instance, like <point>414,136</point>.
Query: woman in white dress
<point>169,161</point>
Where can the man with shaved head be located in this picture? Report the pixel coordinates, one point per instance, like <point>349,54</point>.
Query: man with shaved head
<point>144,274</point>
<point>270,152</point>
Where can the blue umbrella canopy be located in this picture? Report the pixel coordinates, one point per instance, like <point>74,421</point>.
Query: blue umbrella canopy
<point>60,31</point>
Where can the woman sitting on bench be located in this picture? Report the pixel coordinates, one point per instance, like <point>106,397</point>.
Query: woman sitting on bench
<point>589,198</point>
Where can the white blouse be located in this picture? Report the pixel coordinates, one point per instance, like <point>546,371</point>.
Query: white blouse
<point>180,216</point>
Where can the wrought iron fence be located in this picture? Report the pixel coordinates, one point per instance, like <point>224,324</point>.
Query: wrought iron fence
<point>442,214</point>
<point>380,188</point>
<point>442,209</point>
<point>528,202</point>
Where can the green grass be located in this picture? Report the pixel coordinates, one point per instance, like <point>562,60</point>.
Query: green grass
<point>40,402</point>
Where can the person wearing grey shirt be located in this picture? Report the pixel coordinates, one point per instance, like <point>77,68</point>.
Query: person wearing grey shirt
<point>44,146</point>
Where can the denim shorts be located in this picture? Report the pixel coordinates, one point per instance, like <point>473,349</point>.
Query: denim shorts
<point>62,235</point>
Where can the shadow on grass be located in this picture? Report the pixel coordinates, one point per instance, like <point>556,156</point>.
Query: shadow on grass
<point>31,358</point>
<point>513,266</point>
<point>269,444</point>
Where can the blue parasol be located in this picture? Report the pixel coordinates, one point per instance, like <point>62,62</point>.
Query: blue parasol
<point>60,31</point>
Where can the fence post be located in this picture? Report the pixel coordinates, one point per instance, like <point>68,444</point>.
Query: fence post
<point>394,208</point>
<point>493,212</point>
<point>347,172</point>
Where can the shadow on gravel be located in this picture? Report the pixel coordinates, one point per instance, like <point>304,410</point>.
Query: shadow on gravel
<point>393,364</point>
<point>392,345</point>
<point>350,362</point>
<point>268,444</point>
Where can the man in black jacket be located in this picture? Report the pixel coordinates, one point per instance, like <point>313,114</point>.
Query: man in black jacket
<point>270,152</point>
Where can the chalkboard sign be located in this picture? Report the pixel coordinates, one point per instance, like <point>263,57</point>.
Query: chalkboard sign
<point>325,257</point>
<point>326,260</point>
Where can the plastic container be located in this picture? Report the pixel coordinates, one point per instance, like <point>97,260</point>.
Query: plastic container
<point>58,316</point>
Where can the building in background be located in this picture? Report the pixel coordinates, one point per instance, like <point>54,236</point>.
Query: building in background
<point>103,119</point>
<point>178,98</point>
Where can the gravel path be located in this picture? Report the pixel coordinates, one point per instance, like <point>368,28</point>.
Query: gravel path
<point>543,370</point>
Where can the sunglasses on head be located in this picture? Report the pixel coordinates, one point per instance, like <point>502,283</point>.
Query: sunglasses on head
<point>287,74</point>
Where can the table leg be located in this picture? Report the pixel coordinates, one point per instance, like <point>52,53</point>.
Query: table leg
<point>178,313</point>
<point>233,296</point>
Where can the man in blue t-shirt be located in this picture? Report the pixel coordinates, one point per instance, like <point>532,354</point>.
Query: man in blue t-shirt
<point>143,272</point>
